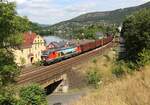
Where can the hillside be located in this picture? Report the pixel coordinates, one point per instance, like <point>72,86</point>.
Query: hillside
<point>66,28</point>
<point>116,16</point>
<point>107,17</point>
<point>39,28</point>
<point>132,90</point>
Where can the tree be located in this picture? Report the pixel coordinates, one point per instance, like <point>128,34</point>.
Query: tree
<point>7,96</point>
<point>11,27</point>
<point>136,32</point>
<point>144,57</point>
<point>32,95</point>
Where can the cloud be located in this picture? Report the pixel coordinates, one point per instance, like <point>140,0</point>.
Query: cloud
<point>18,1</point>
<point>53,11</point>
<point>43,12</point>
<point>80,8</point>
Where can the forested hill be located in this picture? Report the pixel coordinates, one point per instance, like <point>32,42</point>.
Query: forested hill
<point>116,16</point>
<point>107,17</point>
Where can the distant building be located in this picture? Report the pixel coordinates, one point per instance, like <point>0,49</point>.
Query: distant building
<point>30,51</point>
<point>60,44</point>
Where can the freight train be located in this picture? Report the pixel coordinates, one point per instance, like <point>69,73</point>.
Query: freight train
<point>55,55</point>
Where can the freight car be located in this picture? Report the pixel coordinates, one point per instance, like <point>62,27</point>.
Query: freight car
<point>95,44</point>
<point>54,55</point>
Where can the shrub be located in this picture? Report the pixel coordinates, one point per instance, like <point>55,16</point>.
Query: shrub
<point>94,61</point>
<point>7,96</point>
<point>118,70</point>
<point>32,95</point>
<point>144,57</point>
<point>93,77</point>
<point>130,67</point>
<point>135,32</point>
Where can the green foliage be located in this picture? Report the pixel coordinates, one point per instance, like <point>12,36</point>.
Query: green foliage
<point>8,69</point>
<point>144,57</point>
<point>131,65</point>
<point>7,97</point>
<point>90,32</point>
<point>94,61</point>
<point>32,95</point>
<point>105,18</point>
<point>121,68</point>
<point>136,32</point>
<point>118,70</point>
<point>11,25</point>
<point>93,77</point>
<point>40,29</point>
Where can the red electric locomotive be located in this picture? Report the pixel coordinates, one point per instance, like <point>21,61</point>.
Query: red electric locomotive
<point>53,55</point>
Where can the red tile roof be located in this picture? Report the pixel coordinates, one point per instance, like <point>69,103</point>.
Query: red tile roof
<point>28,39</point>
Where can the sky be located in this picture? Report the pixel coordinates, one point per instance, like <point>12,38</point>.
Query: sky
<point>54,11</point>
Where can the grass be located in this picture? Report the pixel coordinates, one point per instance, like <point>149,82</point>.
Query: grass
<point>78,75</point>
<point>128,90</point>
<point>131,90</point>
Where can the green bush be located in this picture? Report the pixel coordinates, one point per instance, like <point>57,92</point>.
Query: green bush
<point>144,57</point>
<point>94,61</point>
<point>7,96</point>
<point>136,34</point>
<point>32,95</point>
<point>131,67</point>
<point>93,77</point>
<point>118,70</point>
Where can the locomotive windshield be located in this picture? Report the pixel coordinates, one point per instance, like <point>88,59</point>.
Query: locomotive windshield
<point>45,52</point>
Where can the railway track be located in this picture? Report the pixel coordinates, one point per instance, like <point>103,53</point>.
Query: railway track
<point>30,69</point>
<point>45,73</point>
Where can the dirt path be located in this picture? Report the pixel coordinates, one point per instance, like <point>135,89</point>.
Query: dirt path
<point>65,98</point>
